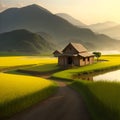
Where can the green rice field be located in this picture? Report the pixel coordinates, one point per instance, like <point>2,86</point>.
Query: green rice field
<point>102,98</point>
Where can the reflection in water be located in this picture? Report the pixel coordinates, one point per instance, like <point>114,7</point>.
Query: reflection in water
<point>84,77</point>
<point>110,76</point>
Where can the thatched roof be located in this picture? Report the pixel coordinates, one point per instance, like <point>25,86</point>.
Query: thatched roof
<point>57,51</point>
<point>80,51</point>
<point>80,48</point>
<point>85,54</point>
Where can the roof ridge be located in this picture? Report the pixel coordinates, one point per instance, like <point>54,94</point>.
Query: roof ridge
<point>79,47</point>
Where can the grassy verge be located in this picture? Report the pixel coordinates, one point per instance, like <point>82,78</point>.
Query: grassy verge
<point>35,70</point>
<point>10,68</point>
<point>112,62</point>
<point>102,98</point>
<point>19,92</point>
<point>42,68</point>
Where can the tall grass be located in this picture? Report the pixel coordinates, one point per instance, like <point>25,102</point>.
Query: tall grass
<point>19,92</point>
<point>102,98</point>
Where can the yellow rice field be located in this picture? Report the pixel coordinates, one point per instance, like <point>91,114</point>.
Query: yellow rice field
<point>25,60</point>
<point>18,92</point>
<point>16,86</point>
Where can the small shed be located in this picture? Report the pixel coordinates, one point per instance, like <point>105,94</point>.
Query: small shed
<point>74,54</point>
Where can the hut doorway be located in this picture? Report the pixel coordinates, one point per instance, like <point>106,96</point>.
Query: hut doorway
<point>69,61</point>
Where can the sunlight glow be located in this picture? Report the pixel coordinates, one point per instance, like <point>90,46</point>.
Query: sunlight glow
<point>110,76</point>
<point>88,11</point>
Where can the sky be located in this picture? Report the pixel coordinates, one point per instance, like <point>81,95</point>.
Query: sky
<point>87,11</point>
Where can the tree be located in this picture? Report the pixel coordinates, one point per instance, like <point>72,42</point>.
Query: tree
<point>97,55</point>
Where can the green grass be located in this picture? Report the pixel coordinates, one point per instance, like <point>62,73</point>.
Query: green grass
<point>33,70</point>
<point>18,92</point>
<point>102,98</point>
<point>42,68</point>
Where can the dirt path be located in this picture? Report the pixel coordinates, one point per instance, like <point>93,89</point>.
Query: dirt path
<point>66,104</point>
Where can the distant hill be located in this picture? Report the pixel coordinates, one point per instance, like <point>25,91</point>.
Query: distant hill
<point>114,32</point>
<point>38,19</point>
<point>101,26</point>
<point>71,19</point>
<point>47,37</point>
<point>24,41</point>
<point>111,29</point>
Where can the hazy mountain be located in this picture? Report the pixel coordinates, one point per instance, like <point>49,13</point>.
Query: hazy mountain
<point>71,19</point>
<point>98,27</point>
<point>109,28</point>
<point>24,41</point>
<point>47,37</point>
<point>114,32</point>
<point>38,19</point>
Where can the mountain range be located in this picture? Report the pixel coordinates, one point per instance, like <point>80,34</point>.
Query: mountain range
<point>24,41</point>
<point>71,19</point>
<point>52,28</point>
<point>102,26</point>
<point>113,32</point>
<point>109,28</point>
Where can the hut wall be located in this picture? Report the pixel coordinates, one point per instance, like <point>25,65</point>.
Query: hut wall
<point>62,60</point>
<point>82,62</point>
<point>56,54</point>
<point>87,60</point>
<point>76,60</point>
<point>65,61</point>
<point>91,60</point>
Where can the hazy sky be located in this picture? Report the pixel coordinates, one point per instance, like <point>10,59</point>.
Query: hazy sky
<point>87,11</point>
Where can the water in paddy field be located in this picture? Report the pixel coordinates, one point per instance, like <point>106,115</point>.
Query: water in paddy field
<point>105,76</point>
<point>110,76</point>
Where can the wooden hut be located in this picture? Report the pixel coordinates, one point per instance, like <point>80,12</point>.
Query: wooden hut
<point>74,54</point>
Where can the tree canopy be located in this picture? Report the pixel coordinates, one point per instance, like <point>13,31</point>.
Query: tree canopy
<point>97,55</point>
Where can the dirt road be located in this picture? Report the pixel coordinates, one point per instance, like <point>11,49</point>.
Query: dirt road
<point>66,104</point>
